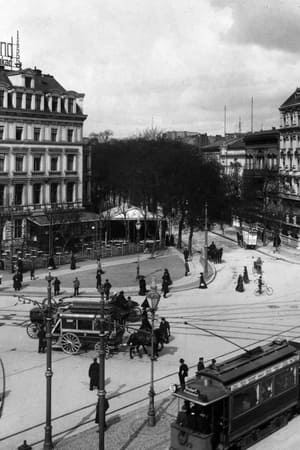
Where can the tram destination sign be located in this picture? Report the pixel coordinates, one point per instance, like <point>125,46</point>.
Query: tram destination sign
<point>10,53</point>
<point>268,371</point>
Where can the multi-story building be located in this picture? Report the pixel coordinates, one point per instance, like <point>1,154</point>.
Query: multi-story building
<point>41,152</point>
<point>289,163</point>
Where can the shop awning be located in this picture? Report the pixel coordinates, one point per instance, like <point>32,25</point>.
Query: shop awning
<point>44,220</point>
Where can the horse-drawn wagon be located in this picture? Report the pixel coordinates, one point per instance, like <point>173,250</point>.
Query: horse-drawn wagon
<point>76,324</point>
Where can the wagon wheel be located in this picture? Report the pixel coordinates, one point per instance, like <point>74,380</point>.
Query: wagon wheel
<point>106,349</point>
<point>32,330</point>
<point>70,343</point>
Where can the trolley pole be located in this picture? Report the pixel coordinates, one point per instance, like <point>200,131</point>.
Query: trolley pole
<point>101,391</point>
<point>48,445</point>
<point>205,242</point>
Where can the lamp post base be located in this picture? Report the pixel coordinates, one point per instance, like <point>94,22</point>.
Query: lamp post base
<point>151,410</point>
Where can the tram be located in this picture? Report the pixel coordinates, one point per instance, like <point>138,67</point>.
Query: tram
<point>247,398</point>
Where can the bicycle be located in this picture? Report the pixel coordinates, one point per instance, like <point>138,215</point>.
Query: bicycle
<point>265,289</point>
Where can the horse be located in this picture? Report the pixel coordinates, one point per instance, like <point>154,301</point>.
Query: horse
<point>142,338</point>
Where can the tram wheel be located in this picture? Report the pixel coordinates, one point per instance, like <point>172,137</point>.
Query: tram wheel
<point>32,330</point>
<point>70,343</point>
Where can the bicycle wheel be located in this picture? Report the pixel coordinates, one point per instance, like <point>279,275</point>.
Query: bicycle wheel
<point>269,290</point>
<point>257,293</point>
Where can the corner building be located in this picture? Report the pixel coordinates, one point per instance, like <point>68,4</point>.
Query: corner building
<point>40,150</point>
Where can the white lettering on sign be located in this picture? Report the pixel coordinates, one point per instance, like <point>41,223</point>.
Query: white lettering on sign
<point>263,373</point>
<point>7,56</point>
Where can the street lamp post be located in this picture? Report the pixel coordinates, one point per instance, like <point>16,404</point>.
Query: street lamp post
<point>154,298</point>
<point>101,391</point>
<point>138,227</point>
<point>48,445</point>
<point>205,242</point>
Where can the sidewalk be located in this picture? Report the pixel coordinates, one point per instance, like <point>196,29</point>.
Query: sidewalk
<point>285,253</point>
<point>129,431</point>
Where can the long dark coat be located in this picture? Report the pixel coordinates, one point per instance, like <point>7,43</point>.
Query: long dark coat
<point>94,373</point>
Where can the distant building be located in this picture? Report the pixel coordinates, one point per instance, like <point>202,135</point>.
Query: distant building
<point>188,137</point>
<point>41,155</point>
<point>229,151</point>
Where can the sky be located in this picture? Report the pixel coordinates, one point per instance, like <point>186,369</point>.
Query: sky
<point>171,64</point>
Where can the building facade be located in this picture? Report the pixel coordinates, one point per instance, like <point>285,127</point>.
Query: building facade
<point>289,163</point>
<point>41,150</point>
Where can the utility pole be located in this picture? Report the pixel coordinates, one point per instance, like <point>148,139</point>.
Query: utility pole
<point>205,242</point>
<point>48,445</point>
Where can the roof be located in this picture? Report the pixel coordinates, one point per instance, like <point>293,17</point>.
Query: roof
<point>292,101</point>
<point>229,142</point>
<point>127,213</point>
<point>43,220</point>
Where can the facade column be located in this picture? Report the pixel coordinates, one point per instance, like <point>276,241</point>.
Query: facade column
<point>33,101</point>
<point>59,104</point>
<point>23,103</point>
<point>42,103</point>
<point>14,99</point>
<point>5,99</point>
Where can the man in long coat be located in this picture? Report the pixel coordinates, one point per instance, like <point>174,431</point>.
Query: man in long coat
<point>94,374</point>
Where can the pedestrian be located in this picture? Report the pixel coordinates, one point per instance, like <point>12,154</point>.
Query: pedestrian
<point>186,253</point>
<point>16,282</point>
<point>98,279</point>
<point>76,285</point>
<point>165,288</point>
<point>56,285</point>
<point>20,265</point>
<point>186,268</point>
<point>106,406</point>
<point>142,285</point>
<point>213,365</point>
<point>73,262</point>
<point>182,373</point>
<point>202,283</point>
<point>166,276</point>
<point>42,340</point>
<point>200,365</point>
<point>51,263</point>
<point>32,270</point>
<point>94,374</point>
<point>164,327</point>
<point>107,288</point>
<point>240,284</point>
<point>245,276</point>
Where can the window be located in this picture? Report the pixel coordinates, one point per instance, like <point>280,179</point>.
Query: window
<point>70,189</point>
<point>54,104</point>
<point>70,135</point>
<point>19,163</point>
<point>2,161</point>
<point>27,82</point>
<point>18,228</point>
<point>28,101</point>
<point>1,194</point>
<point>38,102</point>
<point>19,100</point>
<point>53,164</point>
<point>53,193</point>
<point>85,324</point>
<point>53,134</point>
<point>245,400</point>
<point>1,133</point>
<point>70,162</point>
<point>70,105</point>
<point>18,194</point>
<point>265,390</point>
<point>37,164</point>
<point>19,133</point>
<point>36,134</point>
<point>285,380</point>
<point>36,193</point>
<point>1,99</point>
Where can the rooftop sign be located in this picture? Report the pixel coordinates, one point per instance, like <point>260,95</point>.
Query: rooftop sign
<point>10,53</point>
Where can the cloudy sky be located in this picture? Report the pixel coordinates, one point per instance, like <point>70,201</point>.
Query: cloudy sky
<point>173,62</point>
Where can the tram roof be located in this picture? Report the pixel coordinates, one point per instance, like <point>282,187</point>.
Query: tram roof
<point>253,360</point>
